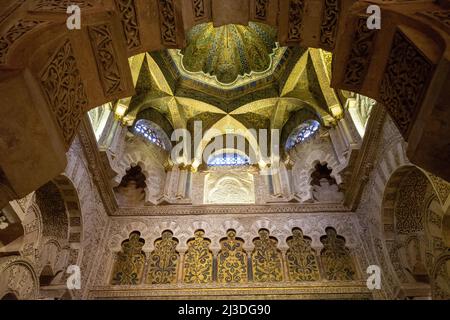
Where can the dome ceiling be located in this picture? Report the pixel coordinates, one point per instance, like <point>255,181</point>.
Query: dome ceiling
<point>229,55</point>
<point>300,81</point>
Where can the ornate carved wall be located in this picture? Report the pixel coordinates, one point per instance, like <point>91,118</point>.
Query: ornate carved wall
<point>289,243</point>
<point>388,207</point>
<point>256,252</point>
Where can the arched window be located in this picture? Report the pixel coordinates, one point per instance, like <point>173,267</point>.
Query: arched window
<point>228,160</point>
<point>150,132</point>
<point>304,132</point>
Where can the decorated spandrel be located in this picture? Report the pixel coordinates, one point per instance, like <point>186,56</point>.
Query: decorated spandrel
<point>198,260</point>
<point>301,258</point>
<point>267,263</point>
<point>163,260</point>
<point>232,260</point>
<point>335,257</point>
<point>130,261</point>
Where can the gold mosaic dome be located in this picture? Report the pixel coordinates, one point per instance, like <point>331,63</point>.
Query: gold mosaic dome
<point>230,52</point>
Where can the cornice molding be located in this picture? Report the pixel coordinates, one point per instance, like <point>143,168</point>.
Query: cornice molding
<point>364,163</point>
<point>95,164</point>
<point>305,290</point>
<point>174,210</point>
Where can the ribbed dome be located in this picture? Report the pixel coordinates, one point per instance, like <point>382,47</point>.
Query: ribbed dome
<point>229,51</point>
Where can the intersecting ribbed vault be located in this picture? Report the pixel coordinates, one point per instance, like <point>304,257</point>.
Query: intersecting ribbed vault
<point>303,82</point>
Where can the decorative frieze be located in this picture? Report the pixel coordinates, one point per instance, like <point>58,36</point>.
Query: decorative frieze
<point>59,5</point>
<point>230,209</point>
<point>441,16</point>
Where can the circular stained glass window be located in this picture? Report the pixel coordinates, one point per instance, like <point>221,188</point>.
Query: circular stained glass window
<point>145,129</point>
<point>304,132</point>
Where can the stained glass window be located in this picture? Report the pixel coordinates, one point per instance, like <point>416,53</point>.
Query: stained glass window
<point>228,160</point>
<point>145,129</point>
<point>304,132</point>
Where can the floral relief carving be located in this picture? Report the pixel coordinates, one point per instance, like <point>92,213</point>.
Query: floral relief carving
<point>405,81</point>
<point>105,56</point>
<point>14,33</point>
<point>295,20</point>
<point>261,9</point>
<point>168,22</point>
<point>330,20</point>
<point>198,7</point>
<point>60,5</point>
<point>64,90</point>
<point>130,23</point>
<point>409,205</point>
<point>360,54</point>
